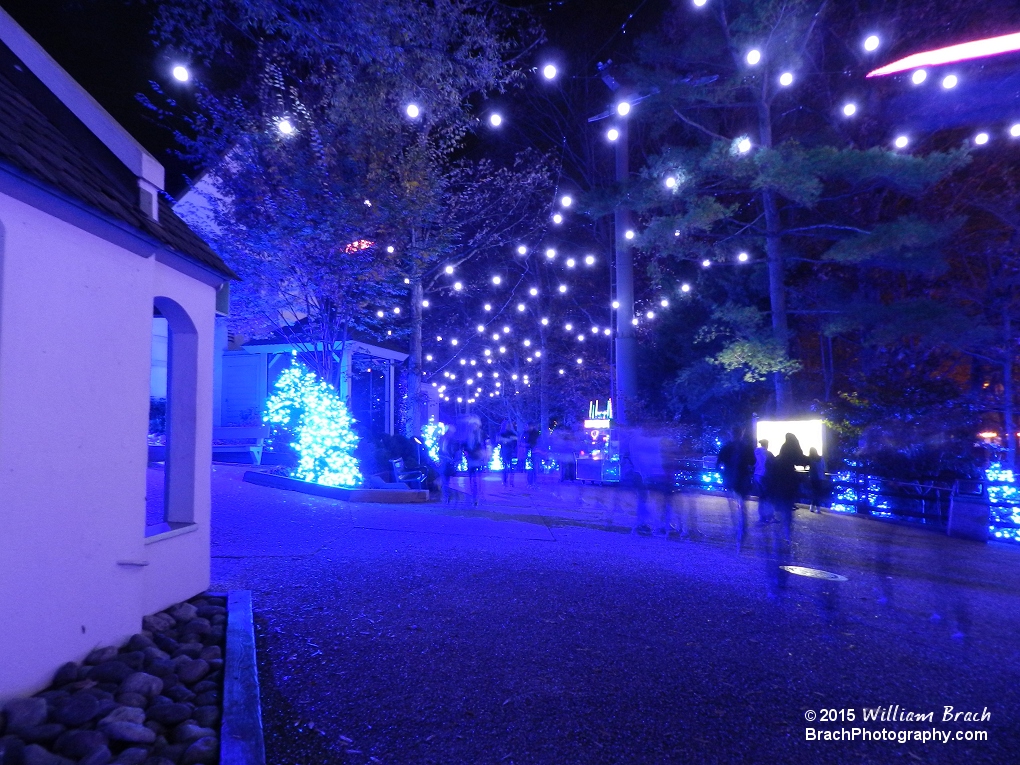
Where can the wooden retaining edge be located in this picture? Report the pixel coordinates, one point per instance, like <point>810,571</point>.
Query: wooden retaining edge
<point>390,496</point>
<point>241,741</point>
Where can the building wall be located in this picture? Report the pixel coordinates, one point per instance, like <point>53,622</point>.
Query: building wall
<point>76,570</point>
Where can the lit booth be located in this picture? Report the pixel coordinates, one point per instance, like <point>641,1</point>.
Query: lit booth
<point>599,461</point>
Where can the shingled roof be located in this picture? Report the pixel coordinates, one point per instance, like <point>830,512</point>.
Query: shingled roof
<point>41,139</point>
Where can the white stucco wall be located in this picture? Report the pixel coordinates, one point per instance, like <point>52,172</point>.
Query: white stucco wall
<point>75,354</point>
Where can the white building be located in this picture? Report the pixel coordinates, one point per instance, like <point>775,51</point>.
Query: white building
<point>89,254</point>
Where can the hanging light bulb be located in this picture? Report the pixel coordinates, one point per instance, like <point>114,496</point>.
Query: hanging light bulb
<point>549,72</point>
<point>753,56</point>
<point>919,76</point>
<point>413,111</point>
<point>786,79</point>
<point>589,260</point>
<point>550,253</point>
<point>181,73</point>
<point>566,200</point>
<point>522,250</point>
<point>850,109</point>
<point>871,43</point>
<point>571,262</point>
<point>612,134</point>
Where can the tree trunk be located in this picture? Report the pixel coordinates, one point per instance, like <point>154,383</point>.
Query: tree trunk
<point>1007,390</point>
<point>543,385</point>
<point>414,389</point>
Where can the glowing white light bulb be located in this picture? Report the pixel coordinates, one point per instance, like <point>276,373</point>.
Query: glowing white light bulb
<point>650,315</point>
<point>706,263</point>
<point>1015,130</point>
<point>497,280</point>
<point>580,338</point>
<point>425,304</point>
<point>664,303</point>
<point>527,343</point>
<point>562,372</point>
<point>919,76</point>
<point>607,331</point>
<point>557,219</point>
<point>700,3</point>
<point>285,126</point>
<point>396,310</point>
<point>549,72</point>
<point>380,314</point>
<point>506,330</point>
<point>413,111</point>
<point>566,200</point>
<point>949,81</point>
<point>495,120</point>
<point>871,43</point>
<point>563,288</point>
<point>181,73</point>
<point>521,307</point>
<point>458,286</point>
<point>569,327</point>
<point>742,257</point>
<point>753,56</point>
<point>901,141</point>
<point>454,341</point>
<point>449,269</point>
<point>481,327</point>
<point>850,109</point>
<point>616,304</point>
<point>612,134</point>
<point>545,321</point>
<point>589,260</point>
<point>981,139</point>
<point>522,250</point>
<point>670,182</point>
<point>428,357</point>
<point>628,234</point>
<point>786,79</point>
<point>744,145</point>
<point>487,306</point>
<point>685,288</point>
<point>623,108</point>
<point>550,253</point>
<point>571,262</point>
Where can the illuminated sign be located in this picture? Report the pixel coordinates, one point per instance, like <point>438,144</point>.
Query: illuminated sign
<point>597,424</point>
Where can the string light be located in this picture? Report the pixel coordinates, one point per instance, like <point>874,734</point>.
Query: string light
<point>563,288</point>
<point>495,120</point>
<point>616,304</point>
<point>449,269</point>
<point>571,262</point>
<point>458,286</point>
<point>549,72</point>
<point>425,304</point>
<point>744,145</point>
<point>413,111</point>
<point>850,109</point>
<point>521,307</point>
<point>497,280</point>
<point>487,306</point>
<point>557,219</point>
<point>706,263</point>
<point>949,81</point>
<point>786,79</point>
<point>629,234</point>
<point>550,253</point>
<point>981,139</point>
<point>919,76</point>
<point>742,257</point>
<point>612,134</point>
<point>285,126</point>
<point>650,315</point>
<point>181,73</point>
<point>589,260</point>
<point>901,142</point>
<point>664,303</point>
<point>566,200</point>
<point>623,108</point>
<point>753,56</point>
<point>700,3</point>
<point>522,250</point>
<point>1015,130</point>
<point>481,327</point>
<point>545,322</point>
<point>685,288</point>
<point>670,182</point>
<point>871,43</point>
<point>380,314</point>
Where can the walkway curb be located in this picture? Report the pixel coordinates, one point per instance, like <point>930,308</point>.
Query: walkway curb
<point>387,496</point>
<point>241,741</point>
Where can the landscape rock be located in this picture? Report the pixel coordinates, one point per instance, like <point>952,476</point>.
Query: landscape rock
<point>206,699</point>
<point>134,659</point>
<point>193,671</point>
<point>101,756</point>
<point>77,710</point>
<point>179,693</point>
<point>124,714</point>
<point>152,653</point>
<point>191,650</point>
<point>110,672</point>
<point>78,744</point>
<point>157,622</point>
<point>11,749</point>
<point>160,667</point>
<point>204,751</point>
<point>169,714</point>
<point>187,732</point>
<point>207,717</point>
<point>38,755</point>
<point>130,733</point>
<point>133,700</point>
<point>208,612</point>
<point>165,643</point>
<point>139,642</point>
<point>42,734</point>
<point>25,713</point>
<point>160,761</point>
<point>143,683</point>
<point>170,752</point>
<point>101,655</point>
<point>66,673</point>
<point>132,756</point>
<point>197,626</point>
<point>205,685</point>
<point>183,612</point>
<point>211,652</point>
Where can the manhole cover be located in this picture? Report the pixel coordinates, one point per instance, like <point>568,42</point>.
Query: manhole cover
<point>814,573</point>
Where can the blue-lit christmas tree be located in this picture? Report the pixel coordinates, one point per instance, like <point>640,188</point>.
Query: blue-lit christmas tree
<point>312,411</point>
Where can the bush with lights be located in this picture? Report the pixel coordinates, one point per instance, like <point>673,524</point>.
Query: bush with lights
<point>313,414</point>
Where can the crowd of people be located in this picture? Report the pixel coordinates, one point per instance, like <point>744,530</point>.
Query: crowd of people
<point>466,438</point>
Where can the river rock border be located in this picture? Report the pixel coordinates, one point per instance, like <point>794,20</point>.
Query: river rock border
<point>156,700</point>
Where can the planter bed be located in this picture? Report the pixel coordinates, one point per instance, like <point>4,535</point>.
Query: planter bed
<point>336,492</point>
<point>156,700</point>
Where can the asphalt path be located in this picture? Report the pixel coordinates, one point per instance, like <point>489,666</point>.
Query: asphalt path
<point>538,627</point>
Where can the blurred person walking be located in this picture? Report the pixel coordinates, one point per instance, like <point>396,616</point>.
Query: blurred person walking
<point>737,462</point>
<point>816,479</point>
<point>762,457</point>
<point>531,436</point>
<point>783,482</point>
<point>508,450</point>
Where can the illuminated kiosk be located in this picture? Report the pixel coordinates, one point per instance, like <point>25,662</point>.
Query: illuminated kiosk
<point>600,460</point>
<point>810,433</point>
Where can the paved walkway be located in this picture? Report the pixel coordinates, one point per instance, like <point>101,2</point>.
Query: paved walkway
<point>535,628</point>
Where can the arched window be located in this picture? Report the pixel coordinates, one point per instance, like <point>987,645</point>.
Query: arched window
<point>175,370</point>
